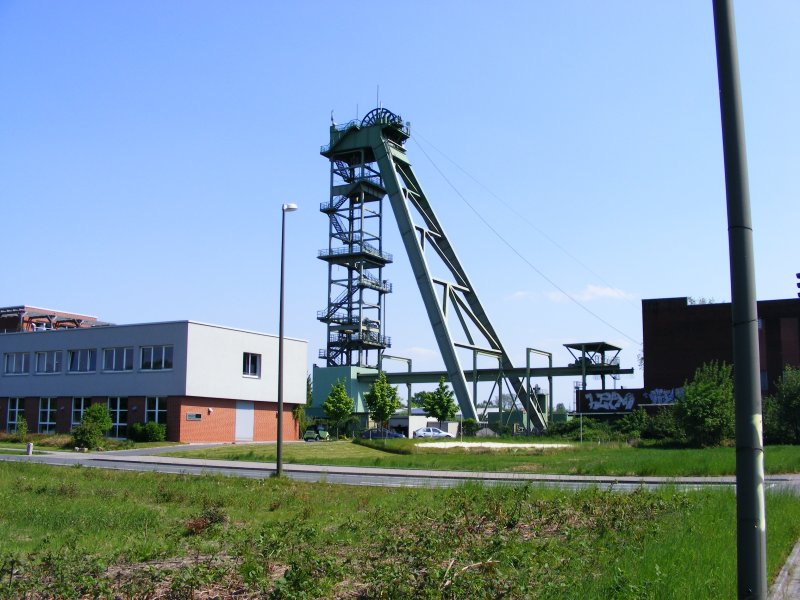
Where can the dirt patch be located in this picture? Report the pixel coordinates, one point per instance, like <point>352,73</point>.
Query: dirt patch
<point>494,445</point>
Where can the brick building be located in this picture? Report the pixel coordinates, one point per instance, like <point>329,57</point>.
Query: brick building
<point>205,382</point>
<point>679,337</point>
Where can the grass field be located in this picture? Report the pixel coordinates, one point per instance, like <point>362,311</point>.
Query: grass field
<point>582,459</point>
<point>64,442</point>
<point>77,532</point>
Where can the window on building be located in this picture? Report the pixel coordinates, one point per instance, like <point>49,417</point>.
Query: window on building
<point>17,363</point>
<point>156,410</point>
<point>251,364</point>
<point>47,415</point>
<point>82,361</point>
<point>118,359</point>
<point>764,381</point>
<point>78,406</point>
<point>48,362</point>
<point>118,410</point>
<point>156,358</point>
<point>16,412</point>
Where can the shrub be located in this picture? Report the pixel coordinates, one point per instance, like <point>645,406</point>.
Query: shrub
<point>470,427</point>
<point>21,434</point>
<point>663,425</point>
<point>634,424</point>
<point>706,410</point>
<point>782,411</point>
<point>299,414</point>
<point>95,423</point>
<point>148,432</point>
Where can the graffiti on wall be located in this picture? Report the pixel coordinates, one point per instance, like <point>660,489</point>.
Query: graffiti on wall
<point>589,401</point>
<point>661,396</point>
<point>613,401</point>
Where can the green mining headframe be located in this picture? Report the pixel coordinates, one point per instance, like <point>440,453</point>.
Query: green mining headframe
<point>368,162</point>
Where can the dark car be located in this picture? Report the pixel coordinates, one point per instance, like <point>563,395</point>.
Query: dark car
<point>379,433</point>
<point>316,433</point>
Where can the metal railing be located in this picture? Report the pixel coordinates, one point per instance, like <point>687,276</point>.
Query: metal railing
<point>359,248</point>
<point>360,337</point>
<point>367,280</point>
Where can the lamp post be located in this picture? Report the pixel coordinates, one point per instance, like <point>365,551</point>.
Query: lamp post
<point>279,453</point>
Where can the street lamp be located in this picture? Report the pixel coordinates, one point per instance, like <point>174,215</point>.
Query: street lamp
<point>279,454</point>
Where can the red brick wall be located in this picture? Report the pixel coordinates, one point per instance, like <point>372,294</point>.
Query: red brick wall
<point>214,426</point>
<point>220,424</point>
<point>217,426</point>
<point>679,337</point>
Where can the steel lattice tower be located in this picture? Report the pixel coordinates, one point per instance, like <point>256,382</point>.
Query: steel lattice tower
<point>368,161</point>
<point>355,260</point>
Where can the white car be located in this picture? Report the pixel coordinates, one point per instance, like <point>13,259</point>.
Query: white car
<point>432,432</point>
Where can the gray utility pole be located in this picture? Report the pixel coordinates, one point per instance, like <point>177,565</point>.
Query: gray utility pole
<point>751,540</point>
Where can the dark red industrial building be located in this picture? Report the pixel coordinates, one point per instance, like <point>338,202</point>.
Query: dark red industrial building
<point>680,336</point>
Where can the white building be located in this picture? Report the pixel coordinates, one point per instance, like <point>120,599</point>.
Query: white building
<point>205,382</point>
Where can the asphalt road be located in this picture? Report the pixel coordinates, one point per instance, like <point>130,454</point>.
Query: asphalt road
<point>149,460</point>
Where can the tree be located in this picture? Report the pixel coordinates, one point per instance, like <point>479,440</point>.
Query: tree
<point>309,390</point>
<point>95,423</point>
<point>439,403</point>
<point>470,427</point>
<point>417,398</point>
<point>338,405</point>
<point>706,410</point>
<point>381,400</point>
<point>782,411</point>
<point>634,423</point>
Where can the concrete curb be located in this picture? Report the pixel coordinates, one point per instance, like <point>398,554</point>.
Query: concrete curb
<point>787,584</point>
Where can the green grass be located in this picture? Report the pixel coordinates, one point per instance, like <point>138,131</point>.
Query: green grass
<point>78,532</point>
<point>582,459</point>
<point>64,442</point>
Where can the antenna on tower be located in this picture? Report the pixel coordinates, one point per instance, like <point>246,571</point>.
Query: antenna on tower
<point>378,96</point>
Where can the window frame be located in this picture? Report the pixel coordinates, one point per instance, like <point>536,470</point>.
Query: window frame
<point>18,411</point>
<point>247,364</point>
<point>158,410</point>
<point>161,357</point>
<point>119,429</point>
<point>119,364</point>
<point>48,425</point>
<point>53,362</point>
<point>86,359</point>
<point>84,404</point>
<point>12,358</point>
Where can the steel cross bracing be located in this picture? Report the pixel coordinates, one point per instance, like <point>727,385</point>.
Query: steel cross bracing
<point>355,257</point>
<point>379,138</point>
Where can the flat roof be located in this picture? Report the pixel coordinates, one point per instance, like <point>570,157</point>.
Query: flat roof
<point>593,346</point>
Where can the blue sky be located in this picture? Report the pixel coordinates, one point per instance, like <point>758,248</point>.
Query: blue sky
<point>146,148</point>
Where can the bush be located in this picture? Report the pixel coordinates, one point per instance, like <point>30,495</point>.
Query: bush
<point>148,432</point>
<point>706,410</point>
<point>662,425</point>
<point>469,427</point>
<point>21,435</point>
<point>95,423</point>
<point>782,411</point>
<point>634,424</point>
<point>593,430</point>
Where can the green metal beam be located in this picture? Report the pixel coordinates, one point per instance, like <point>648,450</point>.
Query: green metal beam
<point>493,374</point>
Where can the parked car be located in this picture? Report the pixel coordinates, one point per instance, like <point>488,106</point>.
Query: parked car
<point>316,432</point>
<point>432,432</point>
<point>379,433</point>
